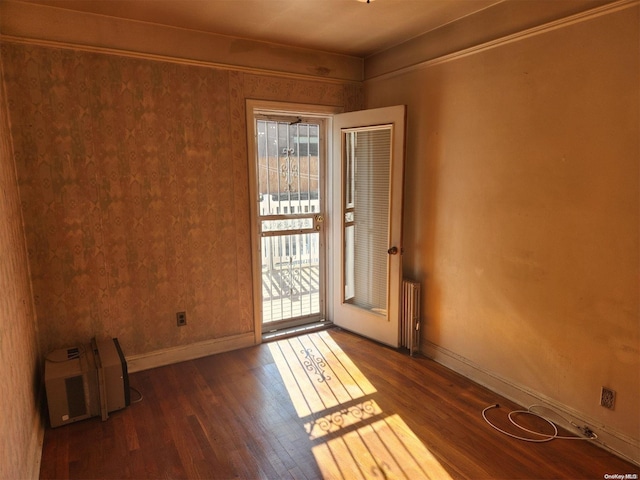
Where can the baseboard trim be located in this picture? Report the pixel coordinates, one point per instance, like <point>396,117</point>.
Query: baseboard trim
<point>38,442</point>
<point>37,437</point>
<point>611,440</point>
<point>168,356</point>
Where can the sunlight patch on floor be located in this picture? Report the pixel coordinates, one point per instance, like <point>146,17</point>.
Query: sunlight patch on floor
<point>341,419</point>
<point>351,436</point>
<point>384,449</point>
<point>317,373</point>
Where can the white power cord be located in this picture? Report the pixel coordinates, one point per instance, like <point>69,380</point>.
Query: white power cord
<point>545,437</point>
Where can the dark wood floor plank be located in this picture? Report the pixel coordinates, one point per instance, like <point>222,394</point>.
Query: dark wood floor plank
<point>58,450</point>
<point>327,405</point>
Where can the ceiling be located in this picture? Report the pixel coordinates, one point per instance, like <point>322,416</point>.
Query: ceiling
<point>350,27</point>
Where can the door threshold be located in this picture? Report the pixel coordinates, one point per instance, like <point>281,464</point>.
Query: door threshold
<point>294,331</point>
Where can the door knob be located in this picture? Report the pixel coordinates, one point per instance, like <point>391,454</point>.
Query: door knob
<point>393,251</point>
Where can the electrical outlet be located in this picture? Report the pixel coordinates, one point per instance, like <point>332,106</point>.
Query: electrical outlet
<point>607,398</point>
<point>587,432</point>
<point>181,318</point>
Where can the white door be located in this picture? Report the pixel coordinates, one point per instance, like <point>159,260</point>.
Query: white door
<point>367,187</point>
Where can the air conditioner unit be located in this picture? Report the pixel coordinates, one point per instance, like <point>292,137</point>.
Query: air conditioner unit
<point>86,381</point>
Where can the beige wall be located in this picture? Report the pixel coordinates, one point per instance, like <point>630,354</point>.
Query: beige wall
<point>19,381</point>
<point>522,211</point>
<point>134,182</point>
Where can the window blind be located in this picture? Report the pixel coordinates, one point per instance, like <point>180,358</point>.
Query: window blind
<point>366,216</point>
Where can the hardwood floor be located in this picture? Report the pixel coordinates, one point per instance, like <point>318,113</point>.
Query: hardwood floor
<point>325,405</point>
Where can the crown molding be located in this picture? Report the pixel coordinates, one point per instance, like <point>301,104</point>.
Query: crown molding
<point>54,27</point>
<point>416,54</point>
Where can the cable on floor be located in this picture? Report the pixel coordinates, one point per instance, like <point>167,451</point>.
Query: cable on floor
<point>544,437</point>
<point>140,397</point>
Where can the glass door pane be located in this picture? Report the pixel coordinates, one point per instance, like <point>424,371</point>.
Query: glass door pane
<point>290,214</point>
<point>367,155</point>
<point>290,277</point>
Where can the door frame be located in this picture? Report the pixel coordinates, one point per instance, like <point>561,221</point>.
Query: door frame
<point>265,107</point>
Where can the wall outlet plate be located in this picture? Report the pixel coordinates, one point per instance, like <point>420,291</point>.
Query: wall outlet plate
<point>607,398</point>
<point>181,318</point>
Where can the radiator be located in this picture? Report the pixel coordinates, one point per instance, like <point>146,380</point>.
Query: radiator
<point>410,316</point>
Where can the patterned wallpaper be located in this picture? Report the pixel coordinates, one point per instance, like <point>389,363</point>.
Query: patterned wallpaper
<point>20,420</point>
<point>134,183</point>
